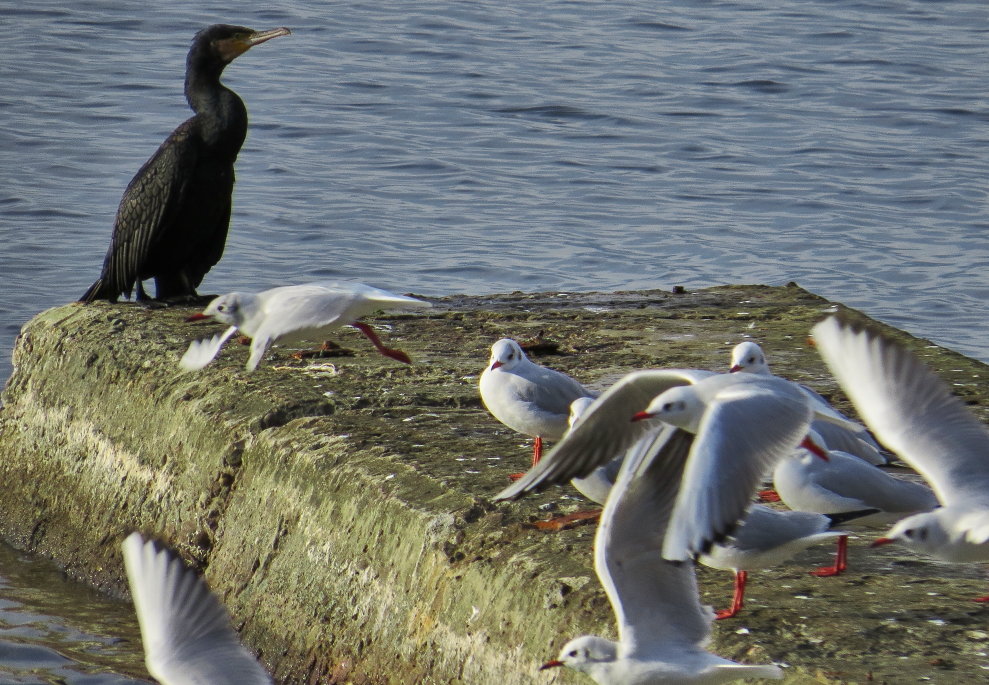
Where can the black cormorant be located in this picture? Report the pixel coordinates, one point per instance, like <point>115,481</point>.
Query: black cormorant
<point>172,221</point>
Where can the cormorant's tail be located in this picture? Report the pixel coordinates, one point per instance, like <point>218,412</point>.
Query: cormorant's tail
<point>100,290</point>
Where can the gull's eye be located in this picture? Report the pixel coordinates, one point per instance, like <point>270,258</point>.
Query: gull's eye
<point>669,406</point>
<point>909,533</point>
<point>221,308</point>
<point>572,653</point>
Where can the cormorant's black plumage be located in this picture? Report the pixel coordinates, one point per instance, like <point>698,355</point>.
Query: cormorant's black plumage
<point>172,221</point>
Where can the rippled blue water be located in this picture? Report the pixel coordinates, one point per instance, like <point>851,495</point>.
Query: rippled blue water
<point>442,147</point>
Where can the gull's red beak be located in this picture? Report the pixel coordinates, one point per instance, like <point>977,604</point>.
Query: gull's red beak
<point>642,415</point>
<point>551,664</point>
<point>496,365</point>
<point>198,317</point>
<point>812,446</point>
<point>737,367</point>
<point>879,542</point>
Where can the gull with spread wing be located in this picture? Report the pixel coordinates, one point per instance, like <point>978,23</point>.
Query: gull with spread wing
<point>662,626</point>
<point>685,483</point>
<point>187,634</point>
<point>295,312</point>
<point>915,414</point>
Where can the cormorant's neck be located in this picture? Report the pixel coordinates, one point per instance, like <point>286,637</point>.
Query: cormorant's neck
<point>221,113</point>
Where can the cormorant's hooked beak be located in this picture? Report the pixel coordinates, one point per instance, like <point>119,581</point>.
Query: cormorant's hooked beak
<point>198,317</point>
<point>551,664</point>
<point>230,49</point>
<point>259,37</point>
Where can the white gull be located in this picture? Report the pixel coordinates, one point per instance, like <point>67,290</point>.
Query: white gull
<point>767,537</point>
<point>844,484</point>
<point>295,312</point>
<point>662,627</point>
<point>186,632</point>
<point>528,398</point>
<point>915,414</point>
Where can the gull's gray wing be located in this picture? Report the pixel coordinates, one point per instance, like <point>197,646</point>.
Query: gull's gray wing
<point>604,431</point>
<point>764,528</point>
<point>656,601</point>
<point>188,639</point>
<point>746,429</point>
<point>910,410</point>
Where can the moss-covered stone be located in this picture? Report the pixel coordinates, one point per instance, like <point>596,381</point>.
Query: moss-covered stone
<point>341,507</point>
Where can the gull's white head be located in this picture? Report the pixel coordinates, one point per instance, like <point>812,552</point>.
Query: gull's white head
<point>588,653</point>
<point>228,309</point>
<point>748,357</point>
<point>679,406</point>
<point>923,532</point>
<point>506,354</point>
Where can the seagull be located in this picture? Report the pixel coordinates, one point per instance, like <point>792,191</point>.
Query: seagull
<point>845,483</point>
<point>295,312</point>
<point>682,487</point>
<point>914,413</point>
<point>851,437</point>
<point>528,398</point>
<point>743,423</point>
<point>662,627</point>
<point>767,537</point>
<point>186,631</point>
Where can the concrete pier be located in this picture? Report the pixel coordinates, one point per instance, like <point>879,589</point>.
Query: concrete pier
<point>341,506</point>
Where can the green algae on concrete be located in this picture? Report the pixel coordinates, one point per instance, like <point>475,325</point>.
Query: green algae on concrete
<point>341,507</point>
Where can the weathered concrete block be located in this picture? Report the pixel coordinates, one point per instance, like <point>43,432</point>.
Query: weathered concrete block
<point>341,506</point>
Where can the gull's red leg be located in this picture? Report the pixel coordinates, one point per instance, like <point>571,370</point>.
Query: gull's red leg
<point>840,560</point>
<point>537,454</point>
<point>397,355</point>
<point>537,450</point>
<point>738,599</point>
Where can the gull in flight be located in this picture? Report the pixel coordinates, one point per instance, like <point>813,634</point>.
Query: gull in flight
<point>295,312</point>
<point>915,414</point>
<point>186,632</point>
<point>663,627</point>
<point>684,484</point>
